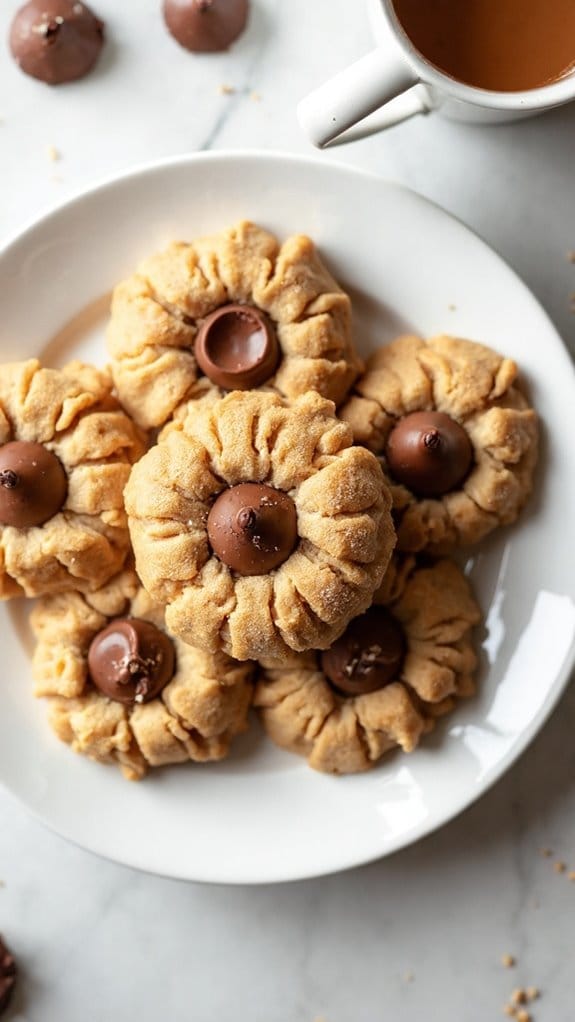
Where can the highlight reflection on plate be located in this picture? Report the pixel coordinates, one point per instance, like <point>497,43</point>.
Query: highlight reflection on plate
<point>263,815</point>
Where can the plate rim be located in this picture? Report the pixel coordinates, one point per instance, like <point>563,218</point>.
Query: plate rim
<point>494,773</point>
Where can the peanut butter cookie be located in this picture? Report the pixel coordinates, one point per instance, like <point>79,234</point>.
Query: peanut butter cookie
<point>232,311</point>
<point>457,438</point>
<point>65,453</point>
<point>123,689</point>
<point>259,524</point>
<point>382,684</point>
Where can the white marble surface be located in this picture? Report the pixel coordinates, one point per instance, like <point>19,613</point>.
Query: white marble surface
<point>421,934</point>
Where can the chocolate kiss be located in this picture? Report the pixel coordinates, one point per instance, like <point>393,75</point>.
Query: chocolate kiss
<point>429,452</point>
<point>237,348</point>
<point>252,528</point>
<point>205,26</point>
<point>368,655</point>
<point>131,660</point>
<point>33,484</point>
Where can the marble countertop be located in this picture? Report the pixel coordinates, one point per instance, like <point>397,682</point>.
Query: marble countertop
<point>418,935</point>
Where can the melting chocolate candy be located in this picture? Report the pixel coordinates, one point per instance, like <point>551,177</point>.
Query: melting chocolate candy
<point>7,976</point>
<point>429,452</point>
<point>252,528</point>
<point>131,660</point>
<point>205,26</point>
<point>33,484</point>
<point>236,347</point>
<point>56,41</point>
<point>367,656</point>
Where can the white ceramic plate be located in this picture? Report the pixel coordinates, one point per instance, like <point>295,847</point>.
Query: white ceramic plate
<point>263,815</point>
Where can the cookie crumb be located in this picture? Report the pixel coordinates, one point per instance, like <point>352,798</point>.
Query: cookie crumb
<point>519,996</point>
<point>523,1016</point>
<point>226,90</point>
<point>451,307</point>
<point>571,255</point>
<point>546,853</point>
<point>508,961</point>
<point>53,154</point>
<point>532,993</point>
<point>559,866</point>
<point>509,1010</point>
<point>408,977</point>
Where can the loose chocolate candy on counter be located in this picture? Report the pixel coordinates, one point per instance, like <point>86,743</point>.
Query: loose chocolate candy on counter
<point>33,484</point>
<point>368,655</point>
<point>131,660</point>
<point>7,976</point>
<point>56,41</point>
<point>237,348</point>
<point>206,26</point>
<point>252,528</point>
<point>429,452</point>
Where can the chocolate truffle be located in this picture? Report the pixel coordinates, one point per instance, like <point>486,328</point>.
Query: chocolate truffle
<point>236,347</point>
<point>56,40</point>
<point>252,528</point>
<point>429,452</point>
<point>205,26</point>
<point>33,484</point>
<point>367,656</point>
<point>7,976</point>
<point>131,660</point>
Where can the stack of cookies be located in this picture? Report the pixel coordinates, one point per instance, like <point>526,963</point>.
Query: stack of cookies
<point>239,513</point>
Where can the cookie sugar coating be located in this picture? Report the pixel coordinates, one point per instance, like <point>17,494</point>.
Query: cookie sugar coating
<point>477,388</point>
<point>344,531</point>
<point>69,426</point>
<point>194,717</point>
<point>159,313</point>
<point>346,733</point>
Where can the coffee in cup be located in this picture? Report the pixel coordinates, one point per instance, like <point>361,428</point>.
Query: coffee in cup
<point>500,45</point>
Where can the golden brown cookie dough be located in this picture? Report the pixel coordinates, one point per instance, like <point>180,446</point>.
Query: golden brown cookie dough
<point>194,718</point>
<point>344,530</point>
<point>156,314</point>
<point>477,388</point>
<point>301,711</point>
<point>72,414</point>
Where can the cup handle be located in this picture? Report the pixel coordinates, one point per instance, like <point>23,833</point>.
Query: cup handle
<point>359,90</point>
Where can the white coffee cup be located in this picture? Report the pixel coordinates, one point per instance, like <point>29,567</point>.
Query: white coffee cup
<point>398,79</point>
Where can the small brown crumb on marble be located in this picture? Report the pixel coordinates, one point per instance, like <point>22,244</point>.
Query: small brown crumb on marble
<point>571,255</point>
<point>451,307</point>
<point>523,1016</point>
<point>53,154</point>
<point>571,875</point>
<point>408,977</point>
<point>509,1010</point>
<point>508,961</point>
<point>226,90</point>
<point>546,853</point>
<point>533,993</point>
<point>519,996</point>
<point>559,866</point>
